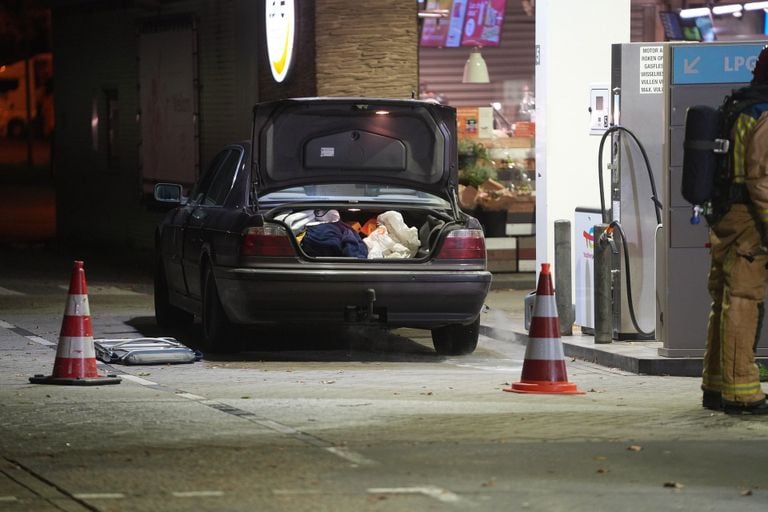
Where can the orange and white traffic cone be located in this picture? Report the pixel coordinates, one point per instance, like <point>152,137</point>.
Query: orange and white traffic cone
<point>544,364</point>
<point>76,355</point>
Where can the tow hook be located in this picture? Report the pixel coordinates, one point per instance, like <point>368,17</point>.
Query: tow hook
<point>362,313</point>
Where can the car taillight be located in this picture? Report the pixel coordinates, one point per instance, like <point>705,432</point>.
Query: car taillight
<point>463,244</point>
<point>267,240</point>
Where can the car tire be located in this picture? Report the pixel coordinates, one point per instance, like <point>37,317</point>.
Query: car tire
<point>456,340</point>
<point>219,335</point>
<point>166,314</point>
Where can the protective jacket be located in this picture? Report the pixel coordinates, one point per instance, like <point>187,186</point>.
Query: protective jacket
<point>750,158</point>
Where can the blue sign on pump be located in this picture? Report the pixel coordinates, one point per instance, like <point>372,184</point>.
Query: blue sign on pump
<point>709,63</point>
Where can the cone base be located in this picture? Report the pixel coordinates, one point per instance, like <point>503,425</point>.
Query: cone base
<point>547,388</point>
<point>86,381</point>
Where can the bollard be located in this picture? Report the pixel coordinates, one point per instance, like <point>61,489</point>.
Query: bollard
<point>563,297</point>
<point>603,299</point>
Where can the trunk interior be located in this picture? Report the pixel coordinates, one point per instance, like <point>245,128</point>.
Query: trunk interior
<point>364,232</point>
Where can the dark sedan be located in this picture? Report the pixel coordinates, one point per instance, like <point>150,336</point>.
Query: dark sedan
<point>338,211</point>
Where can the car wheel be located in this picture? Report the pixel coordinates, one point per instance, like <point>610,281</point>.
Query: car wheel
<point>218,333</point>
<point>456,340</point>
<point>166,314</point>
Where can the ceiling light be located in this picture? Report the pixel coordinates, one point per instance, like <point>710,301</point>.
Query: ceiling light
<point>726,9</point>
<point>696,12</point>
<point>753,6</point>
<point>475,69</point>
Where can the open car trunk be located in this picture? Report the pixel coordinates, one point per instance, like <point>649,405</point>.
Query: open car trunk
<point>364,233</point>
<point>362,179</point>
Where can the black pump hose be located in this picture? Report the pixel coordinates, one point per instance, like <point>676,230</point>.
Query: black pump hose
<point>616,224</point>
<point>654,199</point>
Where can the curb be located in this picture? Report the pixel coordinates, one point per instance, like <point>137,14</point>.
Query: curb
<point>639,364</point>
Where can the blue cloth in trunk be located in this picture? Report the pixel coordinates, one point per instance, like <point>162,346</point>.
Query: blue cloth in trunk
<point>333,239</point>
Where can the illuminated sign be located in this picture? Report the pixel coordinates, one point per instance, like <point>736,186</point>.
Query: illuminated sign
<point>714,64</point>
<point>281,31</point>
<point>470,23</point>
<point>482,22</point>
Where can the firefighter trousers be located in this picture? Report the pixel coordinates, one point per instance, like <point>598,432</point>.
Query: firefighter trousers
<point>738,277</point>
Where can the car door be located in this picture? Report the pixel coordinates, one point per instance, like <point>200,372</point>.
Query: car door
<point>208,204</point>
<point>172,248</point>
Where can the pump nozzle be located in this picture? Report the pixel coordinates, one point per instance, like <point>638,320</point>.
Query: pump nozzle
<point>607,237</point>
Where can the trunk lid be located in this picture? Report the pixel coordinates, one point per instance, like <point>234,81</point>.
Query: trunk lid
<point>312,141</point>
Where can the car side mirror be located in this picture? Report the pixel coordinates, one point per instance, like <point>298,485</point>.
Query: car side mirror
<point>169,193</point>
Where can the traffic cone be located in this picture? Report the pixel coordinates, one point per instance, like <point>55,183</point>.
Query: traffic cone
<point>544,364</point>
<point>75,354</point>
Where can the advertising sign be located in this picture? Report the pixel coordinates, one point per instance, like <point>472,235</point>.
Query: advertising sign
<point>281,30</point>
<point>482,22</point>
<point>584,223</point>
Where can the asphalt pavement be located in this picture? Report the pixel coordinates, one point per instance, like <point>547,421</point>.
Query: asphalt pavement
<point>383,424</point>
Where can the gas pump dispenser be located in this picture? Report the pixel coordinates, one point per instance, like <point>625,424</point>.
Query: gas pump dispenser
<point>666,262</point>
<point>636,163</point>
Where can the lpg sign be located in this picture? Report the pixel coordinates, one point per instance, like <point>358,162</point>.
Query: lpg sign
<point>714,64</point>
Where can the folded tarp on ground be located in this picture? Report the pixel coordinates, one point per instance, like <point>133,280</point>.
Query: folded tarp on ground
<point>137,351</point>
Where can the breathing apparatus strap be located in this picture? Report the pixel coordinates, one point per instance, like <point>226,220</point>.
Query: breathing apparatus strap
<point>716,146</point>
<point>738,194</point>
<point>720,204</point>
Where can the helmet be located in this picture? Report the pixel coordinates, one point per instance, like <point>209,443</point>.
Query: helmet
<point>760,73</point>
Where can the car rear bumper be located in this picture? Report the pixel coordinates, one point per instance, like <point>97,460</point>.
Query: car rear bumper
<point>424,299</point>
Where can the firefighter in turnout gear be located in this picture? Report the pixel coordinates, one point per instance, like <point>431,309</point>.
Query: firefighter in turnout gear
<point>738,274</point>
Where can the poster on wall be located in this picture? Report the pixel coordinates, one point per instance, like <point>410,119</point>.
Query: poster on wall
<point>468,122</point>
<point>482,22</point>
<point>434,31</point>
